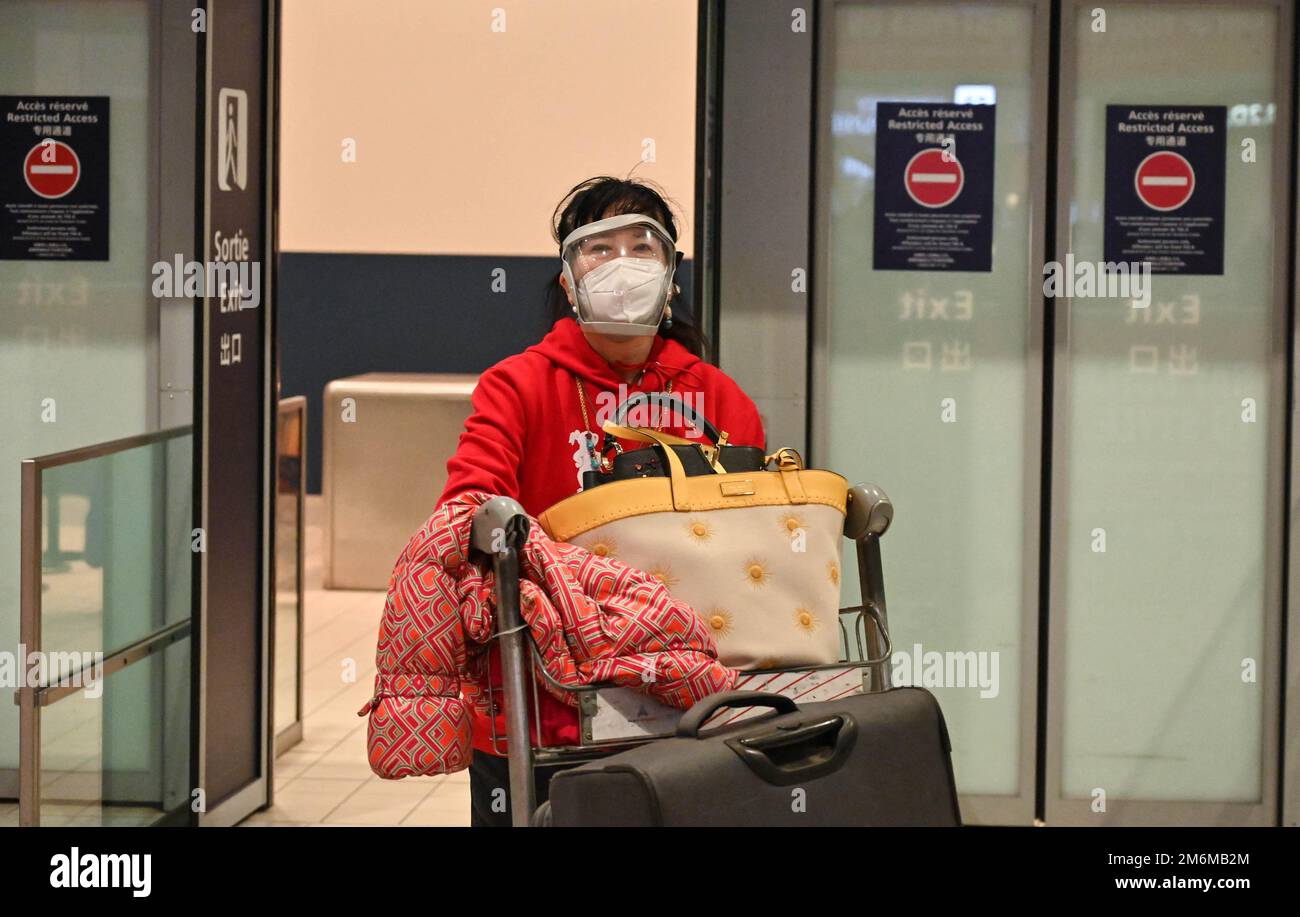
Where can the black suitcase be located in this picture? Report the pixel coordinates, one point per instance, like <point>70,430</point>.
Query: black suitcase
<point>873,760</point>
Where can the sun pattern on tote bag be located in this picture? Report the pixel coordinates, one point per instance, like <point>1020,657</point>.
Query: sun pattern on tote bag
<point>755,554</point>
<point>764,579</point>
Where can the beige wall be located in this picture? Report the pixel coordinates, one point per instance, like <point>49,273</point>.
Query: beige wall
<point>467,138</point>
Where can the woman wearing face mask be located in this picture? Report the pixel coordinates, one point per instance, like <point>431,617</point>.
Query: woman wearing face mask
<point>537,415</point>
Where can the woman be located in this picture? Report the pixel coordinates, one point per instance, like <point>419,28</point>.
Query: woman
<point>537,415</point>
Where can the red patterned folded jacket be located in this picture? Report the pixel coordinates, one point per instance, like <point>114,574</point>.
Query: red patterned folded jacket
<point>592,618</point>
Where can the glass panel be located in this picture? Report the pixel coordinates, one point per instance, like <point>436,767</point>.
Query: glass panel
<point>116,568</point>
<point>954,558</point>
<point>1159,625</point>
<point>76,337</point>
<point>113,570</point>
<point>96,772</point>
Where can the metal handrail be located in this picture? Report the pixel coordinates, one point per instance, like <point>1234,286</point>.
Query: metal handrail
<point>109,447</point>
<point>159,640</point>
<point>30,700</point>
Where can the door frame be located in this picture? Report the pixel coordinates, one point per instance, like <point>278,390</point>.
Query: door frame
<point>256,794</point>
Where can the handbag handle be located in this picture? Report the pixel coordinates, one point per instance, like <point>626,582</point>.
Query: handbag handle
<point>788,465</point>
<point>688,727</point>
<point>665,401</point>
<point>655,438</point>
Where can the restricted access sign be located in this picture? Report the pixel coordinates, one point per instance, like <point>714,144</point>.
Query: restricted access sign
<point>52,169</point>
<point>1165,171</point>
<point>934,187</point>
<point>934,178</point>
<point>1164,181</point>
<point>54,178</point>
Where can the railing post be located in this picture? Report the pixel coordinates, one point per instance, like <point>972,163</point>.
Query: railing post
<point>29,711</point>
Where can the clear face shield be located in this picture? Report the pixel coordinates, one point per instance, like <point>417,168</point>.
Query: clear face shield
<point>620,271</point>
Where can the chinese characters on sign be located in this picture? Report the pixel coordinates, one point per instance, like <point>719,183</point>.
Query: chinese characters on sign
<point>231,349</point>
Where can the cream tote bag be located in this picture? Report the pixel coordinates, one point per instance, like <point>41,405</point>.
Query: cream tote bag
<point>756,554</point>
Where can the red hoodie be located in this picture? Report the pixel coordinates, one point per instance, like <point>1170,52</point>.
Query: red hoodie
<point>522,441</point>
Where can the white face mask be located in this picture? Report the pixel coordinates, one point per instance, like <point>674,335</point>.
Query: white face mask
<point>624,290</point>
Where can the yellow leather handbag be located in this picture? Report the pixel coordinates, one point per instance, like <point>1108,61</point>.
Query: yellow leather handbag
<point>755,553</point>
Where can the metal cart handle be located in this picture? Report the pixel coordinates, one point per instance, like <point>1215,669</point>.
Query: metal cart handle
<point>867,517</point>
<point>500,529</point>
<point>498,523</point>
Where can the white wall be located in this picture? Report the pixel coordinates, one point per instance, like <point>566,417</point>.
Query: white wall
<point>466,137</point>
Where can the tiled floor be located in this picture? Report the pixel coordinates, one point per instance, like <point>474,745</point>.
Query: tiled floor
<point>325,779</point>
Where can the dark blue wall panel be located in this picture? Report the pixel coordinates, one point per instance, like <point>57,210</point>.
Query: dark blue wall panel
<point>344,314</point>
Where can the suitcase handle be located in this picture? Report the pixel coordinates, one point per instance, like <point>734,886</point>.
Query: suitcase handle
<point>688,727</point>
<point>798,753</point>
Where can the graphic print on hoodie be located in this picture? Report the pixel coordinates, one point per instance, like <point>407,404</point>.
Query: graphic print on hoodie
<point>523,439</point>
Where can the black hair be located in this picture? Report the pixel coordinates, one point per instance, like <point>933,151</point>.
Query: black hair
<point>604,196</point>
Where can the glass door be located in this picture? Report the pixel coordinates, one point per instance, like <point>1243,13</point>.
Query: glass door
<point>927,329</point>
<point>1075,392</point>
<point>1170,415</point>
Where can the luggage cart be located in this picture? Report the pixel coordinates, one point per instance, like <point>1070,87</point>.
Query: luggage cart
<point>613,718</point>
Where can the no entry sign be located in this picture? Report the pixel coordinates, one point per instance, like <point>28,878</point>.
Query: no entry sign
<point>934,187</point>
<point>54,178</point>
<point>934,179</point>
<point>52,169</point>
<point>1164,181</point>
<point>1165,175</point>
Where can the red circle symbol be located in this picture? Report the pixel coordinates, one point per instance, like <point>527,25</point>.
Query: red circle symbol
<point>52,169</point>
<point>933,179</point>
<point>1164,181</point>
